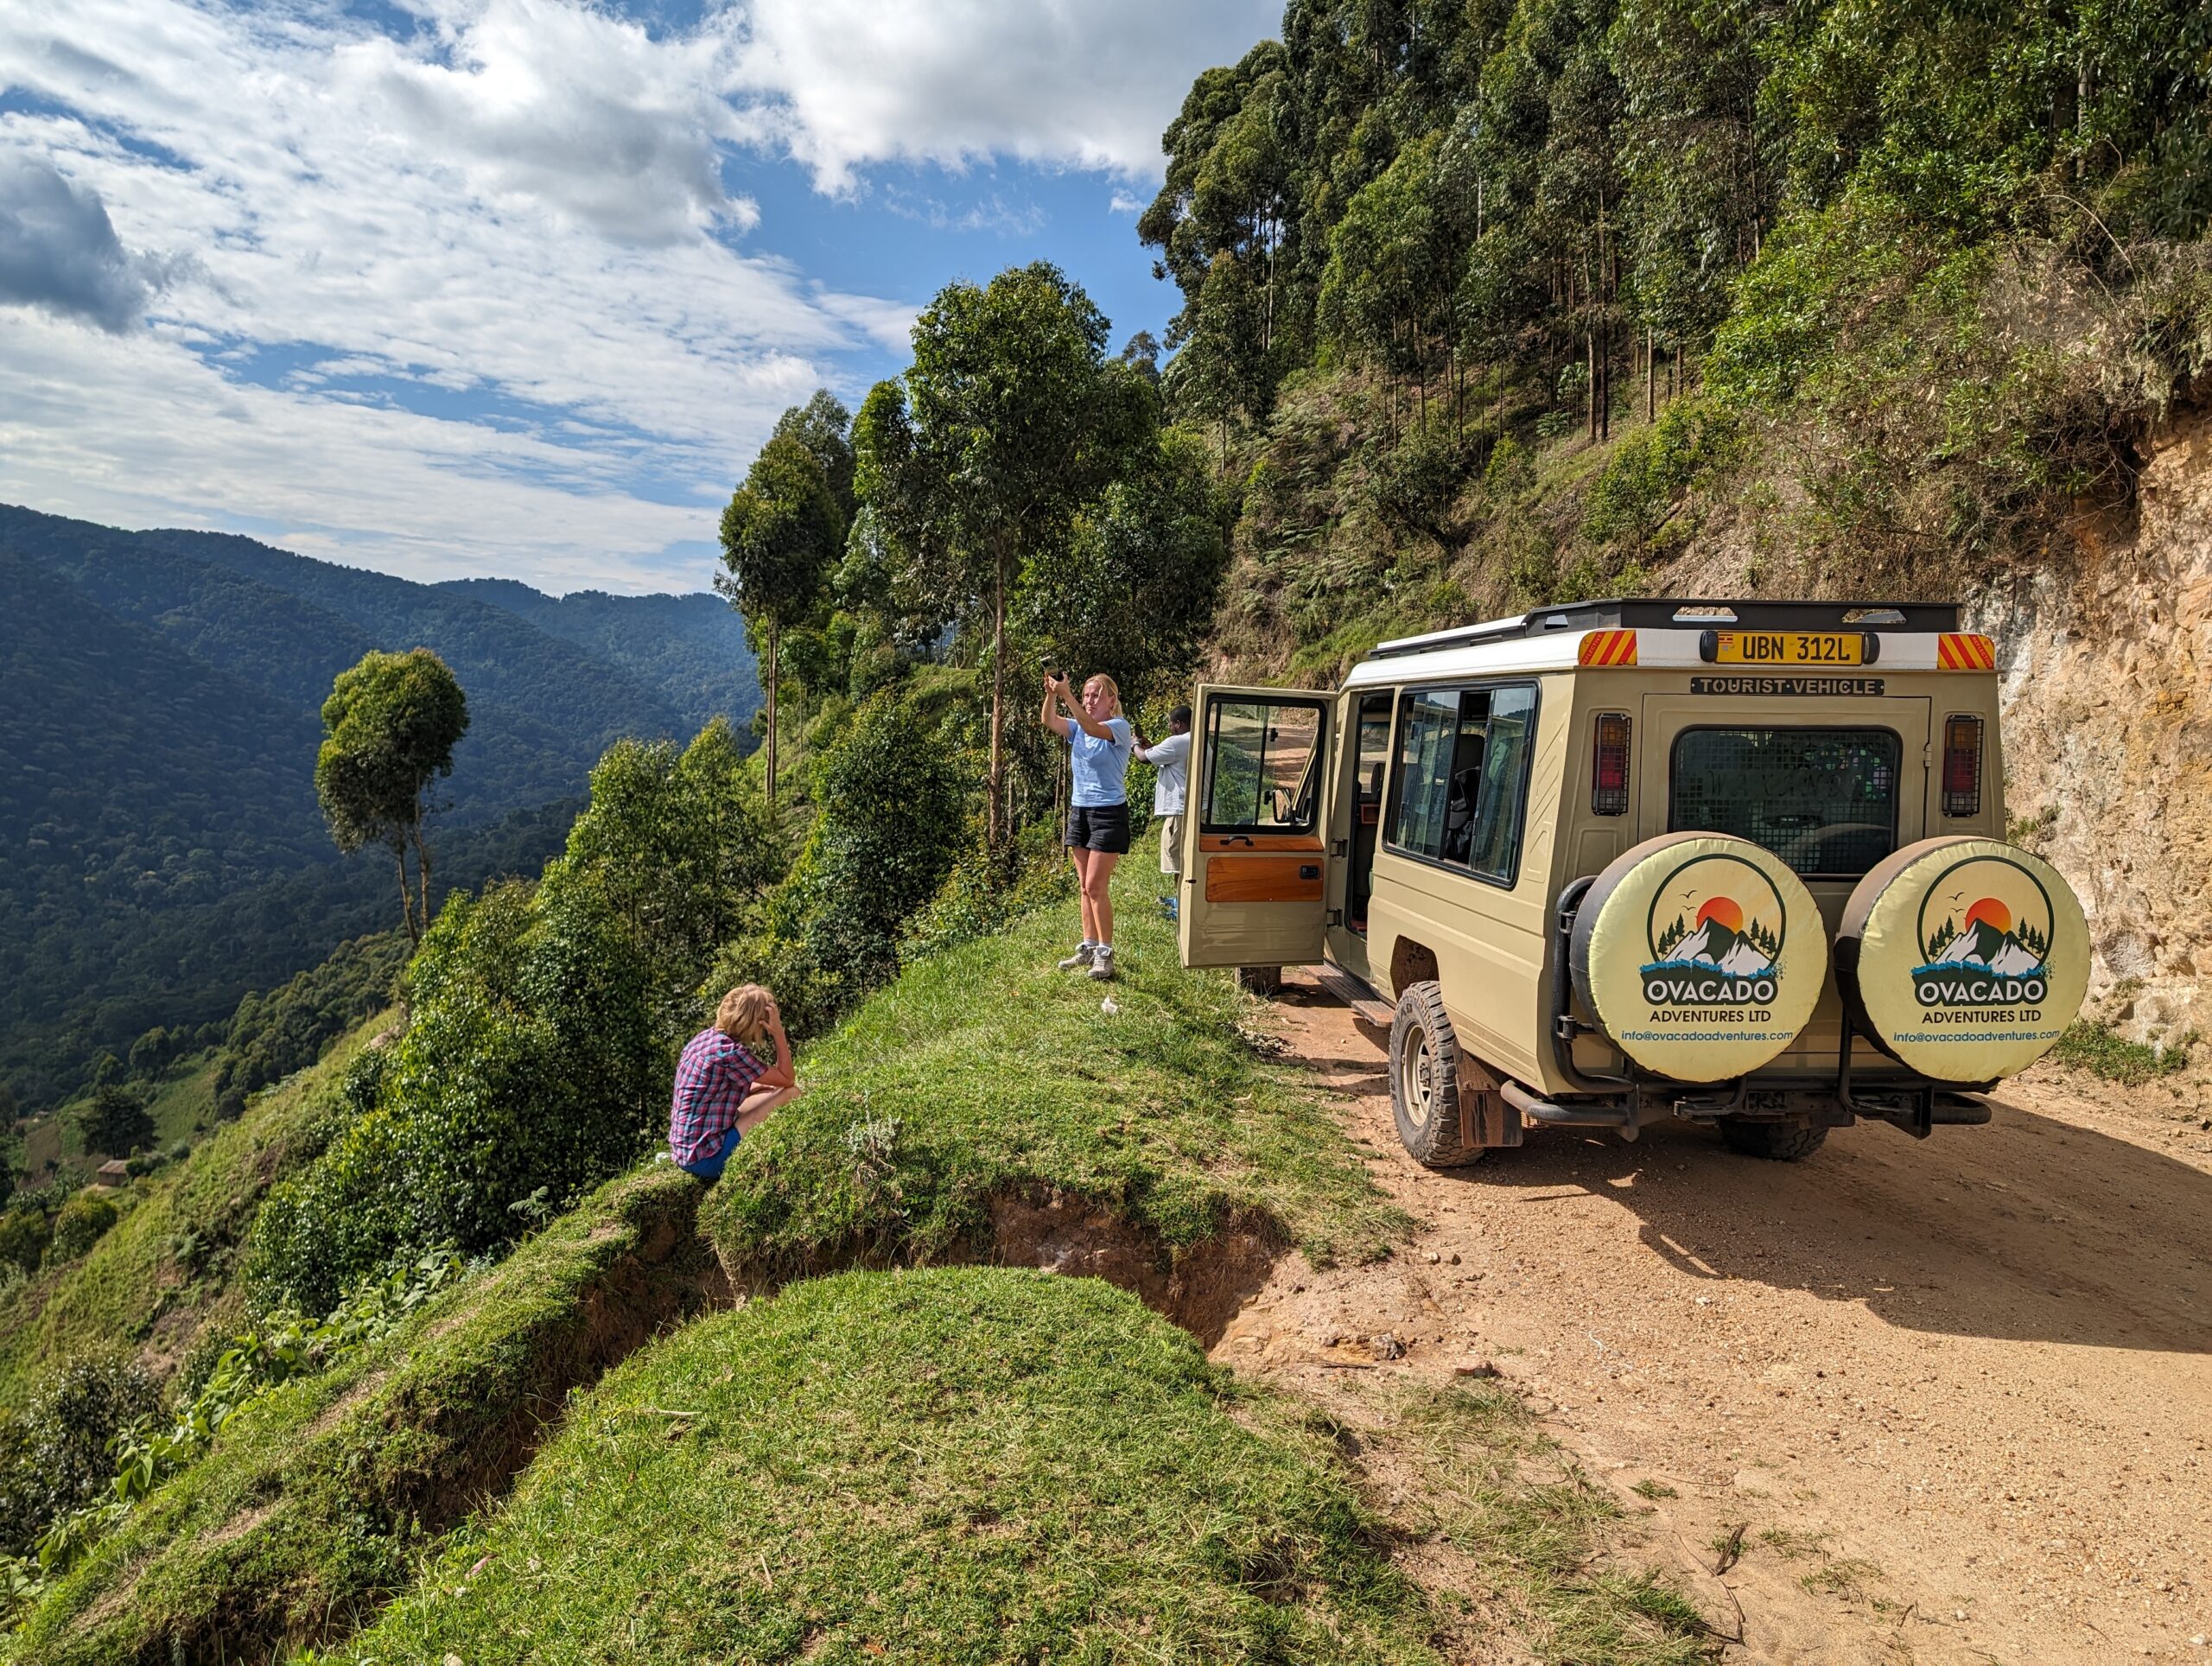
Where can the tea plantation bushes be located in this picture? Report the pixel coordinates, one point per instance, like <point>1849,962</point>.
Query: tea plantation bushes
<point>961,1465</point>
<point>531,1062</point>
<point>315,1500</point>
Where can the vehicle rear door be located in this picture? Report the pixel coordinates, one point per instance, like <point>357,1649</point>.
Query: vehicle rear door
<point>1254,861</point>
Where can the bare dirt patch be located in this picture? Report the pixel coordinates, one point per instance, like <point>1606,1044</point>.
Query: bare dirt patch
<point>1956,1395</point>
<point>1201,1287</point>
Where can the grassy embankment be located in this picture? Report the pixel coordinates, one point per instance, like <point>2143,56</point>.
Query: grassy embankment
<point>956,1464</point>
<point>164,1270</point>
<point>983,1075</point>
<point>314,1503</point>
<point>951,1464</point>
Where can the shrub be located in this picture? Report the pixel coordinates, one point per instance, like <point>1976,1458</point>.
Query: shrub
<point>53,1453</point>
<point>113,1121</point>
<point>80,1223</point>
<point>24,1233</point>
<point>531,1061</point>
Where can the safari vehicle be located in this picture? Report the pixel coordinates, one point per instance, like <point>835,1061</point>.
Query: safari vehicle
<point>1737,862</point>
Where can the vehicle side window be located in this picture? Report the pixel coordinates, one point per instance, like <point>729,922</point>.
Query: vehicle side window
<point>1463,771</point>
<point>1261,767</point>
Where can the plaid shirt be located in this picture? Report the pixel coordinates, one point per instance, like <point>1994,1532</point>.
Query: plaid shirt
<point>712,1080</point>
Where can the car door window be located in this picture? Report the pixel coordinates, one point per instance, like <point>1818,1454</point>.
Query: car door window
<point>1463,771</point>
<point>1261,766</point>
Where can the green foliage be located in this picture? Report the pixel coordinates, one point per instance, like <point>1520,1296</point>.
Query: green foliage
<point>529,1059</point>
<point>158,700</point>
<point>974,466</point>
<point>389,730</point>
<point>80,1223</point>
<point>2098,1048</point>
<point>113,1121</point>
<point>278,1031</point>
<point>982,1074</point>
<point>970,1463</point>
<point>25,1232</point>
<point>679,846</point>
<point>54,1448</point>
<point>892,812</point>
<point>282,1346</point>
<point>316,1501</point>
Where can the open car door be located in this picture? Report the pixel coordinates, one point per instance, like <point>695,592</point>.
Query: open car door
<point>1253,854</point>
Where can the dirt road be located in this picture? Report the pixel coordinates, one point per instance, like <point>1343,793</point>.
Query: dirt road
<point>1956,1393</point>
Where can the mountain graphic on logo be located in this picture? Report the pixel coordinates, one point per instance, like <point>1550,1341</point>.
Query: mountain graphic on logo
<point>1721,941</point>
<point>1990,940</point>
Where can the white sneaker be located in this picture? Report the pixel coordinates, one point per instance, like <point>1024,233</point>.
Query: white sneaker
<point>1080,959</point>
<point>1102,962</point>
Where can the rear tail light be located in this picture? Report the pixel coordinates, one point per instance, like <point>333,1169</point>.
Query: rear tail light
<point>1608,777</point>
<point>1962,767</point>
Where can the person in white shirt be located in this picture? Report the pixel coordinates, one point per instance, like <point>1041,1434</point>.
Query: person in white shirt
<point>1172,759</point>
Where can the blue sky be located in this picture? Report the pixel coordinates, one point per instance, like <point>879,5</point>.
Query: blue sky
<point>517,287</point>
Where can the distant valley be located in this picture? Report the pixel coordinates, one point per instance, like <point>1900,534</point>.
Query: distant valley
<point>159,700</point>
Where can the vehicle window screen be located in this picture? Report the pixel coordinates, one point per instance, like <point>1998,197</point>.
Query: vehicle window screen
<point>1823,800</point>
<point>1259,766</point>
<point>1463,769</point>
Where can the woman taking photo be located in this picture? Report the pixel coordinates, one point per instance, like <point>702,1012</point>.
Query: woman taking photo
<point>1099,743</point>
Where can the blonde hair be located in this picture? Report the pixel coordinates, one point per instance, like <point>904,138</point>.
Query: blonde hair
<point>1112,688</point>
<point>743,1015</point>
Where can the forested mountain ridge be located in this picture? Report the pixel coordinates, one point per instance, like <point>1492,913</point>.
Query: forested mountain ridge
<point>158,725</point>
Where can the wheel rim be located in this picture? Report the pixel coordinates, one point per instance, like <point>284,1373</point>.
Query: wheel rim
<point>1418,1077</point>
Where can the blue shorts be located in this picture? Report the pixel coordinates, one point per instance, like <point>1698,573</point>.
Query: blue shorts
<point>709,1168</point>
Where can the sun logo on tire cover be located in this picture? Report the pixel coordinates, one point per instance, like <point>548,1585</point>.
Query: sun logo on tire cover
<point>1985,930</point>
<point>1715,932</point>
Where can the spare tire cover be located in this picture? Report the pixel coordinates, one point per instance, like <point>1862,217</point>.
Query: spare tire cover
<point>1701,955</point>
<point>1963,958</point>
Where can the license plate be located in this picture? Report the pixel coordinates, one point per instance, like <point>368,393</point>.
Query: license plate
<point>1789,648</point>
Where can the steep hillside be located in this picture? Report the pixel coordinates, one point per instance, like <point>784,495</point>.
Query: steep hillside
<point>158,722</point>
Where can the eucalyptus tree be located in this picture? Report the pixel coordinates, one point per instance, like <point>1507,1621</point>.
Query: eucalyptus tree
<point>782,531</point>
<point>389,727</point>
<point>973,465</point>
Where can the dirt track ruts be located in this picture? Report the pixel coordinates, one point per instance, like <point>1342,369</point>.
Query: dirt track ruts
<point>1958,1391</point>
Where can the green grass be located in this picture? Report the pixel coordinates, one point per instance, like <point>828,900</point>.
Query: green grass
<point>983,1073</point>
<point>956,1465</point>
<point>165,1268</point>
<point>1537,1530</point>
<point>2089,1045</point>
<point>315,1502</point>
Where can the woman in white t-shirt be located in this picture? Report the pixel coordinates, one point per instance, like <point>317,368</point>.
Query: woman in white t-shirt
<point>1172,759</point>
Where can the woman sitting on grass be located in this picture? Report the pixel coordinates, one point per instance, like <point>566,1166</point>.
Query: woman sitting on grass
<point>1099,743</point>
<point>722,1087</point>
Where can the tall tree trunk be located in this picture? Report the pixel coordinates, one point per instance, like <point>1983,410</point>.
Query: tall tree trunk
<point>995,810</point>
<point>772,712</point>
<point>1651,376</point>
<point>422,867</point>
<point>406,899</point>
<point>1589,381</point>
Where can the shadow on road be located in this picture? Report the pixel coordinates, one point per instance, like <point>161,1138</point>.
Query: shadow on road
<point>2030,1229</point>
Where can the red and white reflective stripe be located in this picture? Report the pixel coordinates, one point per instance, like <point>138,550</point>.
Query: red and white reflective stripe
<point>1606,648</point>
<point>1962,651</point>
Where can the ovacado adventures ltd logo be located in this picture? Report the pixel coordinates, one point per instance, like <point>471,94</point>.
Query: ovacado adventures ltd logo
<point>1985,931</point>
<point>1722,941</point>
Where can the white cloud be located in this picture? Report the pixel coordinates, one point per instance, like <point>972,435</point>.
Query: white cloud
<point>1080,83</point>
<point>476,296</point>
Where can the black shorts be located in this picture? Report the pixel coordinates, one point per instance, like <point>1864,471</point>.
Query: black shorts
<point>1099,827</point>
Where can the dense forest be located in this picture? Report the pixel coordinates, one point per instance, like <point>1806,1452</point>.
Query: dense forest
<point>158,725</point>
<point>1488,304</point>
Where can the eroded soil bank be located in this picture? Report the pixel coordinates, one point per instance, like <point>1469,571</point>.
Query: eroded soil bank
<point>1956,1395</point>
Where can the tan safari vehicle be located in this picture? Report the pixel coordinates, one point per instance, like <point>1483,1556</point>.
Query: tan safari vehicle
<point>1737,862</point>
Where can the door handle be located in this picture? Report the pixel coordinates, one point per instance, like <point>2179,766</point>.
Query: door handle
<point>1237,838</point>
<point>1309,870</point>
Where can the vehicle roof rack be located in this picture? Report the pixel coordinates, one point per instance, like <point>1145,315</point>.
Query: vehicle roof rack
<point>1658,612</point>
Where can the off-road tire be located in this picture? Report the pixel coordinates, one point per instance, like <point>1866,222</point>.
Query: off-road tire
<point>1780,1142</point>
<point>1262,980</point>
<point>1424,1080</point>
